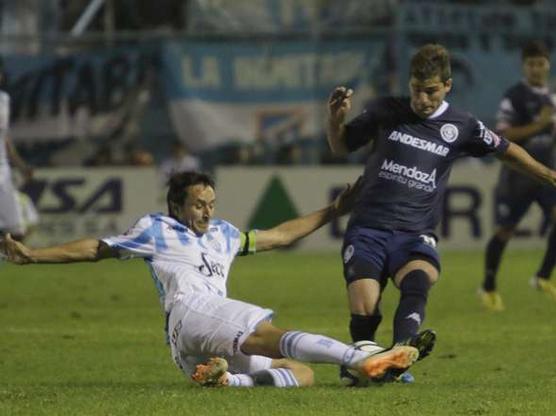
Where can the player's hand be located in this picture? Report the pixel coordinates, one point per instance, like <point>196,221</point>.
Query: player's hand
<point>552,179</point>
<point>346,200</point>
<point>339,104</point>
<point>14,251</point>
<point>546,116</point>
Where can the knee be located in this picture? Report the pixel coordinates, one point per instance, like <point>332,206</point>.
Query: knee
<point>504,234</point>
<point>363,296</point>
<point>265,340</point>
<point>305,376</point>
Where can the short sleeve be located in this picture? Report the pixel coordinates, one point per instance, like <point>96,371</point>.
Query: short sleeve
<point>364,128</point>
<point>483,141</point>
<point>231,235</point>
<point>140,241</point>
<point>506,115</point>
<point>4,111</point>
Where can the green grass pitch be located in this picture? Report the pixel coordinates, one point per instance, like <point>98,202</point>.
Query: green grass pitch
<point>87,339</point>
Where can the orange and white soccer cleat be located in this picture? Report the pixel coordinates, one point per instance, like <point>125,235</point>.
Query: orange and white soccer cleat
<point>211,374</point>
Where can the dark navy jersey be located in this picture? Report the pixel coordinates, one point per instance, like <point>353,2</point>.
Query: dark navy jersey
<point>520,106</point>
<point>408,168</point>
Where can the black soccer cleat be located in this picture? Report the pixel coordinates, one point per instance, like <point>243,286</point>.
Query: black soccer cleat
<point>424,342</point>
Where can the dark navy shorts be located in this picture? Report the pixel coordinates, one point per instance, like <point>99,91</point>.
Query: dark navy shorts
<point>370,253</point>
<point>511,207</point>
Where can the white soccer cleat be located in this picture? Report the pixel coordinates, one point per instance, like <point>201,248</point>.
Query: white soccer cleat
<point>211,374</point>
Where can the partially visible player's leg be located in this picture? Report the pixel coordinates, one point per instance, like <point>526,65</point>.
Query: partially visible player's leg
<point>270,341</point>
<point>510,209</point>
<point>285,373</point>
<point>493,255</point>
<point>363,299</point>
<point>488,295</point>
<point>414,280</point>
<point>252,371</point>
<point>363,255</point>
<point>541,280</point>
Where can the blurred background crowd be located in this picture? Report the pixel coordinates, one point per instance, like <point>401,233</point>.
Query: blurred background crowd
<point>203,83</point>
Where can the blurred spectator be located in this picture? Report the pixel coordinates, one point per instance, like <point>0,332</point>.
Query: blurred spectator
<point>178,161</point>
<point>290,154</point>
<point>140,157</point>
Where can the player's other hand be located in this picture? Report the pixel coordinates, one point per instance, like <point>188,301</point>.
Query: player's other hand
<point>546,115</point>
<point>346,200</point>
<point>552,178</point>
<point>339,103</point>
<point>14,251</point>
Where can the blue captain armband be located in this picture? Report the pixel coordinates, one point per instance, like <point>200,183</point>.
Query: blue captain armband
<point>247,243</point>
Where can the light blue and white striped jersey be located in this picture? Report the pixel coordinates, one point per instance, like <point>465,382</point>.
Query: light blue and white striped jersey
<point>179,260</point>
<point>4,127</point>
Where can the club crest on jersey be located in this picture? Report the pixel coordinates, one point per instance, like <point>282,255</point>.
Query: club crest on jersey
<point>449,132</point>
<point>348,253</point>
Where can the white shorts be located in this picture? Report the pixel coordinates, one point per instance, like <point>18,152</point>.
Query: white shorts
<point>202,325</point>
<point>11,219</point>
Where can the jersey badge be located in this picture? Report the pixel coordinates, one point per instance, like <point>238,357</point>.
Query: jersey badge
<point>449,132</point>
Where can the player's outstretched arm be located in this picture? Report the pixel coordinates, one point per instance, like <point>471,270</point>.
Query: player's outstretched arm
<point>517,158</point>
<point>517,134</point>
<point>17,160</point>
<point>290,231</point>
<point>76,251</point>
<point>339,103</point>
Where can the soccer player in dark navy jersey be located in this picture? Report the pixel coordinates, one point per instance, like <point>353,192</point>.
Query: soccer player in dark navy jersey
<point>525,116</point>
<point>391,230</point>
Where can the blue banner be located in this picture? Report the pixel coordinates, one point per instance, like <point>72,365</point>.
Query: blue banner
<point>48,91</point>
<point>248,91</point>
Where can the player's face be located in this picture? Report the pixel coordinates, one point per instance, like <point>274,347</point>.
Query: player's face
<point>536,70</point>
<point>198,208</point>
<point>427,95</point>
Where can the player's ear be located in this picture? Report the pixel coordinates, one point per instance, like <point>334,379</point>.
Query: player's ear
<point>448,85</point>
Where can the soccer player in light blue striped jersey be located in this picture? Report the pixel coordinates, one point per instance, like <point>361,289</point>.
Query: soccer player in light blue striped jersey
<point>12,219</point>
<point>217,340</point>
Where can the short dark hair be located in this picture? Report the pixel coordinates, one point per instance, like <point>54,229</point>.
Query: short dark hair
<point>429,61</point>
<point>535,49</point>
<point>178,184</point>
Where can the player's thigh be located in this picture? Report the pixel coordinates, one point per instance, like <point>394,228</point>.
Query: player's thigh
<point>211,325</point>
<point>411,252</point>
<point>264,340</point>
<point>364,256</point>
<point>422,264</point>
<point>547,202</point>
